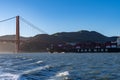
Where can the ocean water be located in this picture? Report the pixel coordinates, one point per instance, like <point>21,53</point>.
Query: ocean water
<point>70,66</point>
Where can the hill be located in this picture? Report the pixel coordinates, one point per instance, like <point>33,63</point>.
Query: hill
<point>11,37</point>
<point>81,36</point>
<point>40,42</point>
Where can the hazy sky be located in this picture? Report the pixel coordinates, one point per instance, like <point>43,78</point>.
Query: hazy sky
<point>65,15</point>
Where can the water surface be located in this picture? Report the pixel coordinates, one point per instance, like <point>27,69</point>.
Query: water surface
<point>70,66</point>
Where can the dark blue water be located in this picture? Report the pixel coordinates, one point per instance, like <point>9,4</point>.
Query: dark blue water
<point>71,66</point>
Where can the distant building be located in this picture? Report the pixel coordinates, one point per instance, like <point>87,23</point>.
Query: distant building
<point>118,42</point>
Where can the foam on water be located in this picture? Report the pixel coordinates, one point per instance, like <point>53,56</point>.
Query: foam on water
<point>60,76</point>
<point>36,69</point>
<point>65,73</point>
<point>9,76</point>
<point>30,64</point>
<point>39,62</point>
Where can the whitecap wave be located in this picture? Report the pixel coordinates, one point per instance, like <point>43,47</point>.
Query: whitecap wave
<point>30,64</point>
<point>35,69</point>
<point>9,76</point>
<point>65,73</point>
<point>38,62</point>
<point>60,76</point>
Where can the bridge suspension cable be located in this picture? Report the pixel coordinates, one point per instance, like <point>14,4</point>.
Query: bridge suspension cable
<point>32,25</point>
<point>8,19</point>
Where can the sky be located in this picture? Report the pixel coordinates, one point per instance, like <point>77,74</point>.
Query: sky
<point>54,16</point>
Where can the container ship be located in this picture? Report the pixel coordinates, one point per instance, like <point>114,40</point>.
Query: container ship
<point>86,47</point>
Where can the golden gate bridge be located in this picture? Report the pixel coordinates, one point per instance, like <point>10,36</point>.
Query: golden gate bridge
<point>17,35</point>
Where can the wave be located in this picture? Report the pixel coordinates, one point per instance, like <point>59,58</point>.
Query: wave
<point>38,62</point>
<point>35,69</point>
<point>29,64</point>
<point>9,76</point>
<point>61,74</point>
<point>21,62</point>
